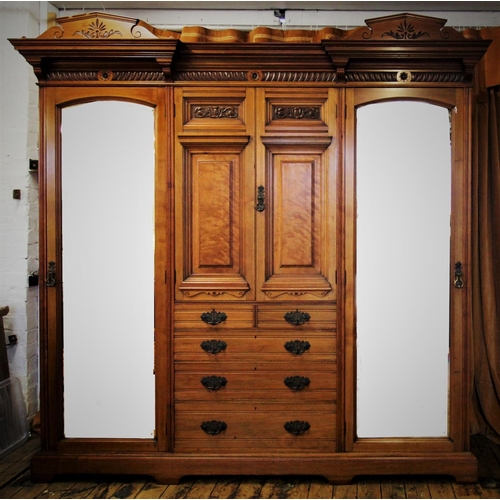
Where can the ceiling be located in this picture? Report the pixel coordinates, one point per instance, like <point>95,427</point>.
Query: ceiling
<point>412,6</point>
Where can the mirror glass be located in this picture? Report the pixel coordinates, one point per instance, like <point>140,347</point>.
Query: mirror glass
<point>403,171</point>
<point>108,167</point>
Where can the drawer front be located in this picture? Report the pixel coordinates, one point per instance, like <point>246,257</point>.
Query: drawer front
<point>297,318</point>
<point>213,317</point>
<point>233,347</point>
<point>293,386</point>
<point>266,431</point>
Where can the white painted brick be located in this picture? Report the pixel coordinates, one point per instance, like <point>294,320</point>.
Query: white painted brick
<point>19,218</point>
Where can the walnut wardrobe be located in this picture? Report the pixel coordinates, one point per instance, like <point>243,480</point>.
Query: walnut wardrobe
<point>254,249</point>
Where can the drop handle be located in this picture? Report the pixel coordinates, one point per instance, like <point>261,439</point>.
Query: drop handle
<point>213,383</point>
<point>213,346</point>
<point>458,274</point>
<point>261,199</point>
<point>213,317</point>
<point>51,274</point>
<point>296,382</point>
<point>297,427</point>
<point>297,317</point>
<point>297,346</point>
<point>213,427</point>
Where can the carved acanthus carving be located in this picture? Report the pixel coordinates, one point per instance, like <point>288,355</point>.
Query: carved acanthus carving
<point>97,29</point>
<point>296,112</point>
<point>405,31</point>
<point>215,112</point>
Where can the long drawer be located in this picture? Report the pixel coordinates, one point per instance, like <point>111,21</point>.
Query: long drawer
<point>291,385</point>
<point>232,346</point>
<point>284,430</point>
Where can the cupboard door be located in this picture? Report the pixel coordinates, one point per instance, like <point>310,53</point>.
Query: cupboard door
<point>214,195</point>
<point>296,173</point>
<point>406,223</point>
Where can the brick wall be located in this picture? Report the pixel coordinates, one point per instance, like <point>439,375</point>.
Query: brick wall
<point>19,217</point>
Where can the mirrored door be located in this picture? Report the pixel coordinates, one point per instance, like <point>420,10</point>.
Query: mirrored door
<point>108,246</point>
<point>403,200</point>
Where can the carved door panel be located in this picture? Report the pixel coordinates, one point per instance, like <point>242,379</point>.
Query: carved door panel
<point>296,229</point>
<point>214,195</point>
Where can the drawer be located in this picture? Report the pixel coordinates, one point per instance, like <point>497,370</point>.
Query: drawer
<point>292,386</point>
<point>297,318</point>
<point>232,347</point>
<point>216,317</point>
<point>264,431</point>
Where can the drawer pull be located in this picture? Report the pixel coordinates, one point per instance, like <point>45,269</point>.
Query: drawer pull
<point>297,427</point>
<point>297,317</point>
<point>297,346</point>
<point>213,427</point>
<point>297,383</point>
<point>213,317</point>
<point>213,383</point>
<point>213,346</point>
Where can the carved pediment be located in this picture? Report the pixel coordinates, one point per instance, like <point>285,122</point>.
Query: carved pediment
<point>100,26</point>
<point>406,27</point>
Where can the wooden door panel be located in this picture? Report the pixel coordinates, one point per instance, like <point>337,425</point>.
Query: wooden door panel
<point>298,222</point>
<point>213,204</point>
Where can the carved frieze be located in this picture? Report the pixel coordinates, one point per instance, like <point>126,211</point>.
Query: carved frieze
<point>105,76</point>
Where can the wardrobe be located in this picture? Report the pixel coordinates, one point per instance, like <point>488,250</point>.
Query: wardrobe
<point>255,249</point>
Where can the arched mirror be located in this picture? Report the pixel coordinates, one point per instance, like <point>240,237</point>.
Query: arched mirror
<point>403,199</point>
<point>108,167</point>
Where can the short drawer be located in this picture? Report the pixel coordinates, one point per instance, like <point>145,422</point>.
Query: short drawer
<point>297,318</point>
<point>240,431</point>
<point>213,317</point>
